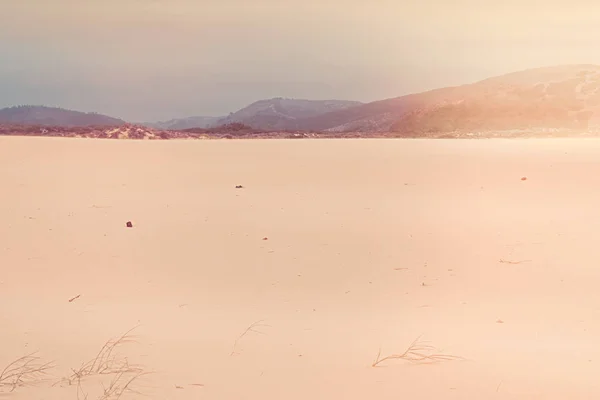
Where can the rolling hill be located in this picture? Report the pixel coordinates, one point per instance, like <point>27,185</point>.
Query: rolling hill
<point>51,116</point>
<point>562,97</point>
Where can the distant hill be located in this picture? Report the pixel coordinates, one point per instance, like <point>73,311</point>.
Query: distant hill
<point>185,123</point>
<point>51,116</point>
<point>562,97</point>
<point>280,113</point>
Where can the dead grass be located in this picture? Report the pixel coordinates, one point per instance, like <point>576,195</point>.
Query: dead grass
<point>417,352</point>
<point>108,362</point>
<point>25,371</point>
<point>122,383</point>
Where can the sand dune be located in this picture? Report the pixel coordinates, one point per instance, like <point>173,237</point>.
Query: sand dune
<point>370,244</point>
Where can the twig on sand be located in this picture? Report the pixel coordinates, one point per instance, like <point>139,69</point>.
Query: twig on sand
<point>251,328</point>
<point>72,299</point>
<point>25,371</point>
<point>417,352</point>
<point>513,262</point>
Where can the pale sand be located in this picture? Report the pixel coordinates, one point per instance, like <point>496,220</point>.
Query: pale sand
<point>354,227</point>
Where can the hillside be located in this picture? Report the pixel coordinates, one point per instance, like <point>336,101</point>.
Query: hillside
<point>563,97</point>
<point>280,113</point>
<point>51,116</point>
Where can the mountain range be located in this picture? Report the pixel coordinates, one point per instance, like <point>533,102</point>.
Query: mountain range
<point>560,97</point>
<point>272,114</point>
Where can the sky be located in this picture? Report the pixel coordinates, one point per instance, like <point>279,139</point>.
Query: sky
<point>150,60</point>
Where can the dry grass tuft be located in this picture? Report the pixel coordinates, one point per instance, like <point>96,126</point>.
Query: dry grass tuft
<point>417,352</point>
<point>120,385</point>
<point>108,363</point>
<point>25,371</point>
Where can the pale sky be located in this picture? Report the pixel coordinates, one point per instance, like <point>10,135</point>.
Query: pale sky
<point>147,60</point>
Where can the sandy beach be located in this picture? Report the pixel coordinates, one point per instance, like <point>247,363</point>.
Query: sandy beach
<point>289,287</point>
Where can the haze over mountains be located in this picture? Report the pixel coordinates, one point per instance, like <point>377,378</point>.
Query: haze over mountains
<point>561,97</point>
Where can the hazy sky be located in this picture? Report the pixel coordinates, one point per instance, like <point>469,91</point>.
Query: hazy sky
<point>146,60</point>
